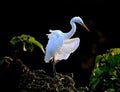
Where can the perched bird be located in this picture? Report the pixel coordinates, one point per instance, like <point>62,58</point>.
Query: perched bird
<point>60,44</point>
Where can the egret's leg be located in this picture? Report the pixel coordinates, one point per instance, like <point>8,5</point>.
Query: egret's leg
<point>54,69</point>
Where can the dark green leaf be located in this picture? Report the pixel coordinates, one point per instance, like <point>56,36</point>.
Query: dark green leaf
<point>26,39</point>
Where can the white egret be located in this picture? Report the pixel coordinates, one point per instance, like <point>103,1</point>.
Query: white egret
<point>61,45</point>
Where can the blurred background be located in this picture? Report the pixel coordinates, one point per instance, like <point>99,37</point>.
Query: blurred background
<point>36,18</point>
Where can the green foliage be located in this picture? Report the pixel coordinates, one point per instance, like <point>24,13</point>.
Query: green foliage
<point>24,41</point>
<point>105,76</point>
<point>27,42</point>
<point>6,59</point>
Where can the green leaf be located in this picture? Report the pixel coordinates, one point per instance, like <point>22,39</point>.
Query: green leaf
<point>114,51</point>
<point>110,90</point>
<point>26,39</point>
<point>93,87</point>
<point>5,59</point>
<point>37,43</point>
<point>14,41</point>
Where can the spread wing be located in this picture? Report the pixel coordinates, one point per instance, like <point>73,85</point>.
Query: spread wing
<point>68,47</point>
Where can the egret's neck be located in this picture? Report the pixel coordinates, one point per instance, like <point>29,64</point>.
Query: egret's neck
<point>72,31</point>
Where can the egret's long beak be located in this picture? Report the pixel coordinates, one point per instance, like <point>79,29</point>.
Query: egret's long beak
<point>85,27</point>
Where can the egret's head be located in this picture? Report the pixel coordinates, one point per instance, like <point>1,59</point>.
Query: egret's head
<point>79,21</point>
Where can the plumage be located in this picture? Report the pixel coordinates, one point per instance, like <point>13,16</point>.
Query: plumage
<point>60,44</point>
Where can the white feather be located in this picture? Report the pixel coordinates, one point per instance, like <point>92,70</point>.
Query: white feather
<point>68,47</point>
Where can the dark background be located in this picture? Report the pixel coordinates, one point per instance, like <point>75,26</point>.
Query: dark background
<point>36,18</point>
